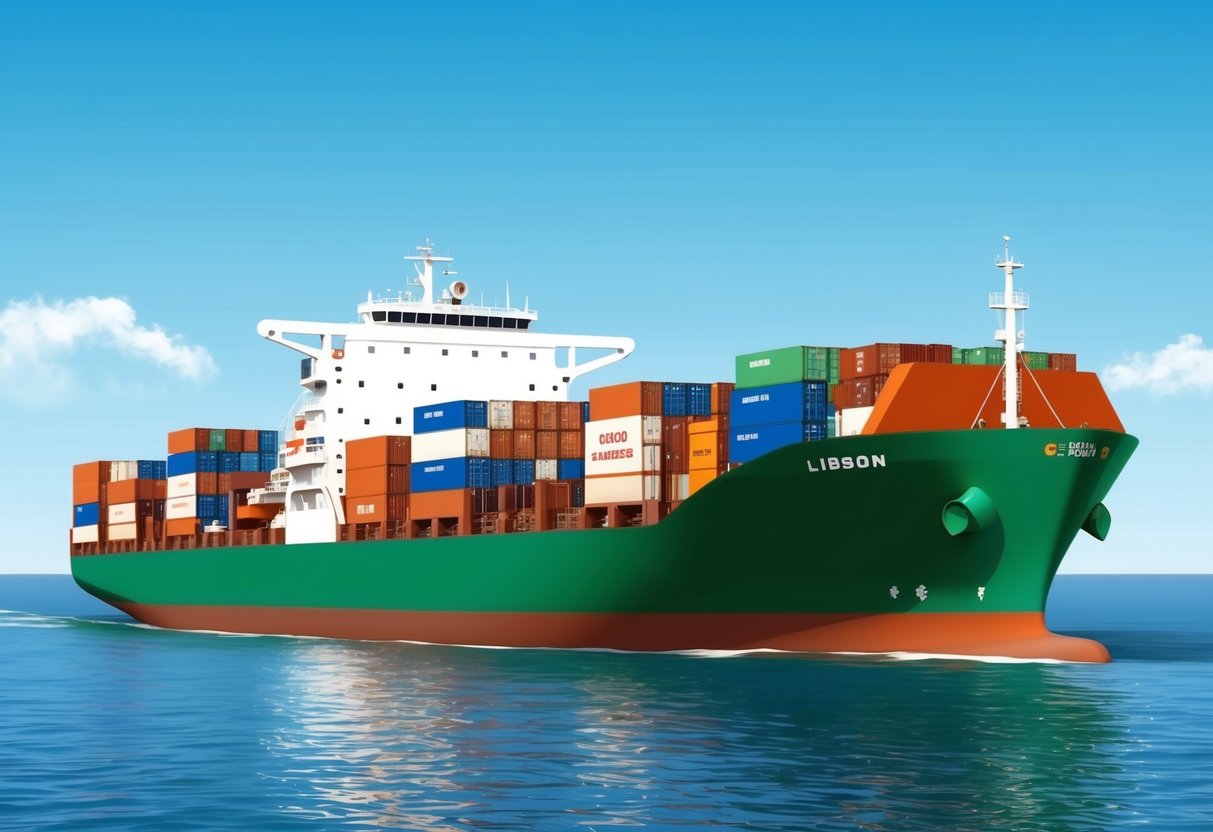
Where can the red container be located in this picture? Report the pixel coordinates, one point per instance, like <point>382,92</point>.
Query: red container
<point>675,444</point>
<point>515,497</point>
<point>252,440</point>
<point>547,415</point>
<point>207,482</point>
<point>940,353</point>
<point>524,415</point>
<point>128,491</point>
<point>234,440</point>
<point>374,451</point>
<point>721,391</point>
<point>189,439</point>
<point>859,392</point>
<point>524,443</point>
<point>552,495</point>
<point>376,508</point>
<point>637,398</point>
<point>547,444</point>
<point>501,444</point>
<point>1066,361</point>
<point>572,444</point>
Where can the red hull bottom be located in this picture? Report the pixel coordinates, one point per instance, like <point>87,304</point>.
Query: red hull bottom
<point>1011,635</point>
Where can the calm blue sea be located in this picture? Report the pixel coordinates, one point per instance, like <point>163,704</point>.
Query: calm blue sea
<point>109,725</point>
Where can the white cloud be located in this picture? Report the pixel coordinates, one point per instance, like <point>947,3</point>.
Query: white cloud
<point>37,338</point>
<point>1185,365</point>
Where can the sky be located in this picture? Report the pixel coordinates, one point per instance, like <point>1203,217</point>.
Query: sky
<point>708,178</point>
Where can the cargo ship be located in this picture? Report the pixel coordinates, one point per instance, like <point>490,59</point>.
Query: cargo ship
<point>433,483</point>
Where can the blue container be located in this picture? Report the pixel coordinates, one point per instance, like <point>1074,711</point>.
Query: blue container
<point>250,461</point>
<point>151,469</point>
<point>577,493</point>
<point>524,472</point>
<point>752,441</point>
<point>268,460</point>
<point>673,399</point>
<point>501,472</point>
<point>458,414</point>
<point>456,472</point>
<point>229,461</point>
<point>570,469</point>
<point>86,514</point>
<point>585,412</point>
<point>267,440</point>
<point>699,400</point>
<point>797,401</point>
<point>212,507</point>
<point>192,463</point>
<point>816,431</point>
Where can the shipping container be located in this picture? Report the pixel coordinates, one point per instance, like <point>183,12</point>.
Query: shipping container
<point>380,479</point>
<point>151,469</point>
<point>795,401</point>
<point>749,443</point>
<point>373,451</point>
<point>1035,360</point>
<point>708,449</point>
<point>546,469</point>
<point>267,441</point>
<point>571,415</point>
<point>859,392</point>
<point>250,441</point>
<point>447,502</point>
<point>547,444</point>
<point>189,439</point>
<point>524,443</point>
<point>207,482</point>
<point>501,471</point>
<point>675,444</point>
<point>128,491</point>
<point>451,443</point>
<point>176,508</point>
<point>524,415</point>
<point>87,514</point>
<point>722,391</point>
<point>877,359</point>
<point>622,488</point>
<point>787,364</point>
<point>585,412</point>
<point>501,415</point>
<point>1065,361</point>
<point>699,399</point>
<point>851,420</point>
<point>619,446</point>
<point>192,462</point>
<point>673,398</point>
<point>448,415</point>
<point>676,486</point>
<point>443,474</point>
<point>123,469</point>
<point>515,497</point>
<point>501,444</point>
<point>572,444</point>
<point>547,415</point>
<point>577,493</point>
<point>269,460</point>
<point>376,508</point>
<point>86,534</point>
<point>983,356</point>
<point>637,398</point>
<point>250,461</point>
<point>178,527</point>
<point>229,461</point>
<point>181,485</point>
<point>698,478</point>
<point>218,440</point>
<point>524,472</point>
<point>123,531</point>
<point>233,440</point>
<point>570,469</point>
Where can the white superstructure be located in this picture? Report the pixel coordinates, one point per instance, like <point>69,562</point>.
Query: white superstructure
<point>1011,303</point>
<point>364,379</point>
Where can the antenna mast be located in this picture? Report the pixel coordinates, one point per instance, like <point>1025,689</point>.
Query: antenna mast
<point>1010,302</point>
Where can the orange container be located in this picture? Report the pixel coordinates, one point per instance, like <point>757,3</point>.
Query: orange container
<point>547,415</point>
<point>374,451</point>
<point>189,439</point>
<point>382,479</point>
<point>376,508</point>
<point>128,491</point>
<point>524,415</point>
<point>859,392</point>
<point>251,440</point>
<point>181,526</point>
<point>234,440</point>
<point>86,492</point>
<point>708,450</point>
<point>501,444</point>
<point>207,483</point>
<point>720,396</point>
<point>637,398</point>
<point>572,444</point>
<point>524,443</point>
<point>570,416</point>
<point>547,444</point>
<point>454,502</point>
<point>94,472</point>
<point>699,478</point>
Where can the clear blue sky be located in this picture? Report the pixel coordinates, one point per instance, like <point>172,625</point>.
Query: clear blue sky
<point>708,178</point>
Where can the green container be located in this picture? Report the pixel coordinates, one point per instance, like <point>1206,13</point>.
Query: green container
<point>986,356</point>
<point>958,355</point>
<point>1036,360</point>
<point>218,439</point>
<point>787,364</point>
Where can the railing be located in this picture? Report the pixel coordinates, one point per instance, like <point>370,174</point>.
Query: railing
<point>1019,300</point>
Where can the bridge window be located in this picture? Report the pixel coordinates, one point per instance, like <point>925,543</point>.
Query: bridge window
<point>378,315</point>
<point>438,320</point>
<point>482,320</point>
<point>408,317</point>
<point>423,317</point>
<point>393,317</point>
<point>495,322</point>
<point>509,323</point>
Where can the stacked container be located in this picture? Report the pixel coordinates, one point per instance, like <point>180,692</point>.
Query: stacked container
<point>89,486</point>
<point>762,419</point>
<point>204,466</point>
<point>377,478</point>
<point>136,501</point>
<point>788,364</point>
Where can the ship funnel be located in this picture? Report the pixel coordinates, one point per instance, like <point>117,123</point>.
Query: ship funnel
<point>459,289</point>
<point>1098,522</point>
<point>971,512</point>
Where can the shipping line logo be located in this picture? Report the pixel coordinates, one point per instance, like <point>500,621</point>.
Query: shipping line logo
<point>846,463</point>
<point>1079,450</point>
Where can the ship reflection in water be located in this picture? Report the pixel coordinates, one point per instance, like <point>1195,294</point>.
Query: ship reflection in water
<point>413,737</point>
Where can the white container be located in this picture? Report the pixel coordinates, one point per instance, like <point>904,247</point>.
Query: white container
<point>121,513</point>
<point>178,508</point>
<point>681,485</point>
<point>625,488</point>
<point>124,531</point>
<point>447,444</point>
<point>182,485</point>
<point>501,414</point>
<point>627,445</point>
<point>124,469</point>
<point>86,534</point>
<point>851,420</point>
<point>545,469</point>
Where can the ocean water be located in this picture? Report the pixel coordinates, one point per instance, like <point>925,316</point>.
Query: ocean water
<point>109,725</point>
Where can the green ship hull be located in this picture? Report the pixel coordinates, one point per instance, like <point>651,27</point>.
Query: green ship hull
<point>856,544</point>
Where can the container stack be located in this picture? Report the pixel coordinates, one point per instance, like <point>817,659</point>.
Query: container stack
<point>993,356</point>
<point>863,372</point>
<point>377,484</point>
<point>782,397</point>
<point>204,466</point>
<point>89,486</point>
<point>117,505</point>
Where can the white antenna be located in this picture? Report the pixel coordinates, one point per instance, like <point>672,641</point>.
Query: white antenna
<point>507,295</point>
<point>1010,302</point>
